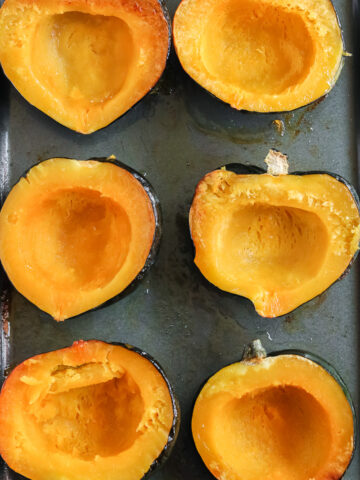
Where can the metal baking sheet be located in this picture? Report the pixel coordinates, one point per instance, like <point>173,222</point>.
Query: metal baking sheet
<point>174,136</point>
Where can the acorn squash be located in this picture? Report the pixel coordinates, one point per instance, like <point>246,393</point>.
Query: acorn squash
<point>275,418</point>
<point>279,240</point>
<point>83,63</point>
<point>260,55</point>
<point>76,233</point>
<point>92,410</point>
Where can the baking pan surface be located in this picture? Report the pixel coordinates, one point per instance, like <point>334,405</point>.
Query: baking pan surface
<point>175,135</point>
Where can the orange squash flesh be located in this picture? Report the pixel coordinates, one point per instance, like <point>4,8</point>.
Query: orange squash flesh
<point>83,63</point>
<point>74,234</point>
<point>279,241</point>
<point>276,418</point>
<point>260,55</point>
<point>92,410</point>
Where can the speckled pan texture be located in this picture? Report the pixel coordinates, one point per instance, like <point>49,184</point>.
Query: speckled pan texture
<point>173,137</point>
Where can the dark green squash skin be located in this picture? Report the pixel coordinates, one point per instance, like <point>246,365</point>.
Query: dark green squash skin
<point>154,250</point>
<point>241,169</point>
<point>313,358</point>
<point>174,431</point>
<point>313,103</point>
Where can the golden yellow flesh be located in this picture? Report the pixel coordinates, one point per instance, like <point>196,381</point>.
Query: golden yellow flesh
<point>83,58</point>
<point>278,241</point>
<point>84,230</point>
<point>257,47</point>
<point>89,227</point>
<point>260,55</point>
<point>100,419</point>
<point>81,62</point>
<point>282,426</point>
<point>277,418</point>
<point>265,241</point>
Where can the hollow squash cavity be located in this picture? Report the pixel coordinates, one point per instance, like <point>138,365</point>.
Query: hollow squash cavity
<point>92,56</point>
<point>257,47</point>
<point>283,426</point>
<point>88,233</point>
<point>89,228</point>
<point>282,246</point>
<point>92,410</point>
<point>99,419</point>
<point>260,55</point>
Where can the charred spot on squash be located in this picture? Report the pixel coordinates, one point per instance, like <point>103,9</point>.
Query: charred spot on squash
<point>278,417</point>
<point>89,228</point>
<point>277,240</point>
<point>93,409</point>
<point>83,64</point>
<point>257,55</point>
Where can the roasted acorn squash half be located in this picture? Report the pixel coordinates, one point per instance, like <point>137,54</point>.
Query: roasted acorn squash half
<point>260,55</point>
<point>75,233</point>
<point>279,240</point>
<point>286,416</point>
<point>83,63</point>
<point>93,410</point>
